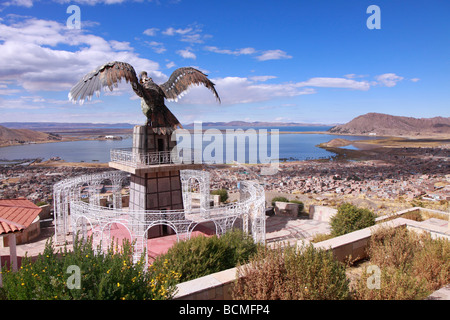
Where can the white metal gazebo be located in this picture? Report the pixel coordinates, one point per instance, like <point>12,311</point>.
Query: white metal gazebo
<point>75,216</point>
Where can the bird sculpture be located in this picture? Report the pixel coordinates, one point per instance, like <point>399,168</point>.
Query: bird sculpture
<point>152,95</point>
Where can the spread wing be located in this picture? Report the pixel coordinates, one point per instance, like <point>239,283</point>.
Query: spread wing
<point>182,79</point>
<point>107,75</point>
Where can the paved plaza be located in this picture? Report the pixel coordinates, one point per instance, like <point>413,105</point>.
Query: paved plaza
<point>286,229</point>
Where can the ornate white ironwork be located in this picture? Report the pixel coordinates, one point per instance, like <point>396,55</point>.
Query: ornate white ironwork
<point>189,179</point>
<point>89,218</point>
<point>68,190</point>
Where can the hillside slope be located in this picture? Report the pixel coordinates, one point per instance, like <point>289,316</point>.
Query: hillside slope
<point>14,136</point>
<point>388,125</point>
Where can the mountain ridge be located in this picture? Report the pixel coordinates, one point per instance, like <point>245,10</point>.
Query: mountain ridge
<point>388,125</point>
<point>13,136</point>
<point>237,123</point>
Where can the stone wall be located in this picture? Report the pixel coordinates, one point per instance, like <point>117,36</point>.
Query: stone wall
<point>321,213</point>
<point>286,209</point>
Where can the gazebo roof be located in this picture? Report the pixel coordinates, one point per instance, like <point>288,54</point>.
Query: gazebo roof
<point>16,214</point>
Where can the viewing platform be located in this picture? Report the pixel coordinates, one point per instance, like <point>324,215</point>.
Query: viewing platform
<point>135,162</point>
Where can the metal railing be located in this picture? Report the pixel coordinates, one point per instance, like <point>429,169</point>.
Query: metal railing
<point>135,159</point>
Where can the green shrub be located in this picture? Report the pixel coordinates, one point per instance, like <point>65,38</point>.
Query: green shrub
<point>279,199</point>
<point>202,255</point>
<point>292,273</point>
<point>350,218</point>
<point>107,275</point>
<point>223,193</point>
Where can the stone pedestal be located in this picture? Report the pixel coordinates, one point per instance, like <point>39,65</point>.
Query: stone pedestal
<point>156,191</point>
<point>145,140</point>
<point>153,186</point>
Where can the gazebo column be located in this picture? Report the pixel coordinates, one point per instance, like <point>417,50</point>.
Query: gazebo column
<point>94,194</point>
<point>12,251</point>
<point>12,255</point>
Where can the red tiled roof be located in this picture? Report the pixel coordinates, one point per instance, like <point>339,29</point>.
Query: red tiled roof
<point>17,214</point>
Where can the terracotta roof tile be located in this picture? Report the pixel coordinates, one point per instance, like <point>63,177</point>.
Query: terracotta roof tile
<point>17,214</point>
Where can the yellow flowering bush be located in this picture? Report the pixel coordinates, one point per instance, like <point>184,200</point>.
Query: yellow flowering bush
<point>109,275</point>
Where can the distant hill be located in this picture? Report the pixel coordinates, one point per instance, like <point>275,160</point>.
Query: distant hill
<point>58,126</point>
<point>14,136</point>
<point>258,124</point>
<point>388,125</point>
<point>65,127</point>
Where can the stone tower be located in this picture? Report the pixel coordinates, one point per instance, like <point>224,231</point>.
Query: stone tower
<point>155,178</point>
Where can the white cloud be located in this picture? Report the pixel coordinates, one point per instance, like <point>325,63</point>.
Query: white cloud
<point>273,55</point>
<point>335,83</point>
<point>29,3</point>
<point>6,92</point>
<point>93,2</point>
<point>171,64</point>
<point>172,31</point>
<point>263,56</point>
<point>120,45</point>
<point>262,78</point>
<point>158,47</point>
<point>415,79</point>
<point>237,52</point>
<point>151,31</point>
<point>354,76</point>
<point>186,54</point>
<point>20,3</point>
<point>388,79</point>
<point>29,55</point>
<point>192,34</point>
<point>241,90</point>
<point>235,90</point>
<point>193,38</point>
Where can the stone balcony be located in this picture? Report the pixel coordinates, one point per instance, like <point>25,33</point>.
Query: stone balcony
<point>134,162</point>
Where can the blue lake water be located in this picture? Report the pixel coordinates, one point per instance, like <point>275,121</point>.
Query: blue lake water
<point>292,146</point>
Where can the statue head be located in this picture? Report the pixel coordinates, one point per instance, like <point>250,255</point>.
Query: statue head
<point>143,77</point>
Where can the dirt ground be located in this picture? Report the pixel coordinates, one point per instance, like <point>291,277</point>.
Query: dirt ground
<point>62,163</point>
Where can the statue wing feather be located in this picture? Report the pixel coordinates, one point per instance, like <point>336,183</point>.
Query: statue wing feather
<point>107,75</point>
<point>184,78</point>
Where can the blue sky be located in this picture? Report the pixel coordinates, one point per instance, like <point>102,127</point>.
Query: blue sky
<point>289,61</point>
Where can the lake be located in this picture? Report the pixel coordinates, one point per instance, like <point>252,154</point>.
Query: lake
<point>292,146</point>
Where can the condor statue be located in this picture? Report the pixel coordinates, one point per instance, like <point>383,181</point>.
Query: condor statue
<point>152,95</point>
